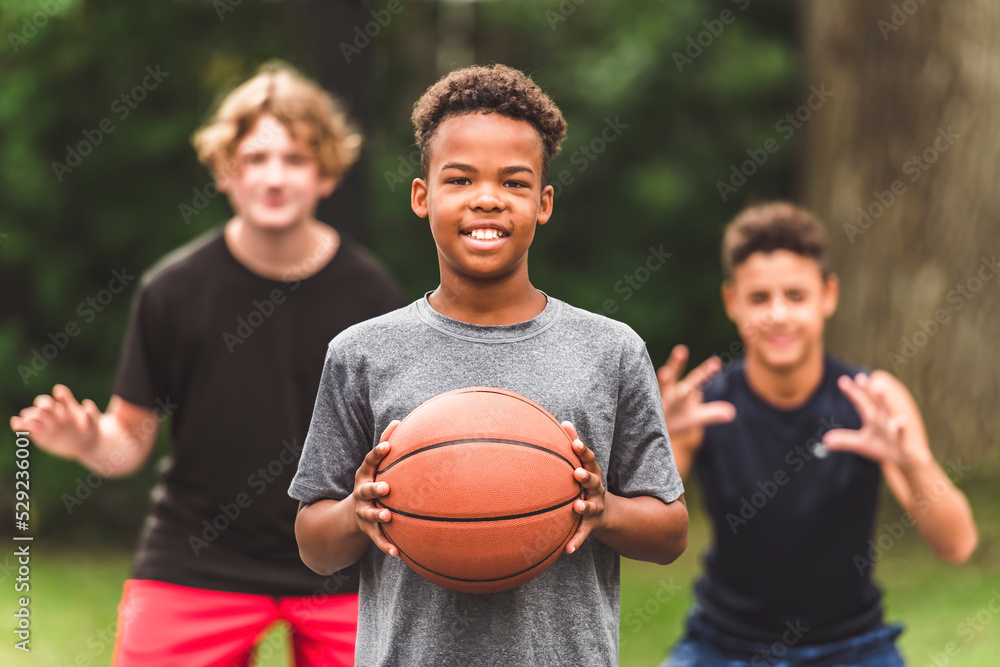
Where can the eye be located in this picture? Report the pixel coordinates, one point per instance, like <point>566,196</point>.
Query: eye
<point>795,295</point>
<point>516,184</point>
<point>253,158</point>
<point>459,181</point>
<point>758,297</point>
<point>297,159</point>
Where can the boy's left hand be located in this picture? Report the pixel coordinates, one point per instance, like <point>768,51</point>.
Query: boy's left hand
<point>590,477</point>
<point>882,433</point>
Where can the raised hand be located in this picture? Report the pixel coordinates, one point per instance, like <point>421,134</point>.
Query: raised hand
<point>882,433</point>
<point>684,408</point>
<point>59,424</point>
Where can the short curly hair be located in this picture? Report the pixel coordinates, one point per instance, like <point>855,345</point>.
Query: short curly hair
<point>308,111</point>
<point>488,89</point>
<point>776,225</point>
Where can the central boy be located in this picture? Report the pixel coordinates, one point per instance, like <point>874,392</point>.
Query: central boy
<point>486,136</point>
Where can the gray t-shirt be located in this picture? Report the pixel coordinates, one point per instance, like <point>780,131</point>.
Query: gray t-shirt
<point>581,367</point>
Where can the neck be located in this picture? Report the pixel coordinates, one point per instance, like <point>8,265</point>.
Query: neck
<point>491,303</point>
<point>287,254</point>
<point>785,388</point>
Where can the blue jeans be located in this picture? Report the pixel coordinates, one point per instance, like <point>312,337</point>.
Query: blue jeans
<point>704,646</point>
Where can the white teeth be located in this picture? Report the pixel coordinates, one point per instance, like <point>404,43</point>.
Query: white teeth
<point>485,234</point>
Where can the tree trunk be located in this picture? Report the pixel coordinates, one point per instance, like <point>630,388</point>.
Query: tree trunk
<point>902,164</point>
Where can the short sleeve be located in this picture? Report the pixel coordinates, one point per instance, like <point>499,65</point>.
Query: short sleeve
<point>340,435</point>
<point>642,461</point>
<point>142,377</point>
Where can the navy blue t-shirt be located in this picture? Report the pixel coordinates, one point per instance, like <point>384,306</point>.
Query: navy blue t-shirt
<point>789,516</point>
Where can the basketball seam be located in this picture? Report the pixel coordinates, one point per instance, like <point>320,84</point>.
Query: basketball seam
<point>509,576</point>
<point>479,520</point>
<point>472,440</point>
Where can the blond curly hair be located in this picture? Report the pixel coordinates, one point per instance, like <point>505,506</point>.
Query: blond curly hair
<point>308,111</point>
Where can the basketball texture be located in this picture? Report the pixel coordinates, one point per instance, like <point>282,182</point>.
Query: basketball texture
<point>481,490</point>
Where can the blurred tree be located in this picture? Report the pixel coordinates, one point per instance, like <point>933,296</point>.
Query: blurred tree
<point>904,170</point>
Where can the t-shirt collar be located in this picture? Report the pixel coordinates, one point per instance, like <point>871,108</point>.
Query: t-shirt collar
<point>485,333</point>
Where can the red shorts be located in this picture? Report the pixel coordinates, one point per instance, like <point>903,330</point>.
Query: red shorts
<point>165,625</point>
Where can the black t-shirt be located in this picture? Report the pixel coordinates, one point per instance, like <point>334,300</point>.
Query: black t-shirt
<point>789,516</point>
<point>236,358</point>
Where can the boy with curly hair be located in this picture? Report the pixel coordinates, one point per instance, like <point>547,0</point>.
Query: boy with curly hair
<point>227,336</point>
<point>487,135</point>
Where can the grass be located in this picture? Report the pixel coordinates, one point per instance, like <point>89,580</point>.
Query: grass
<point>74,595</point>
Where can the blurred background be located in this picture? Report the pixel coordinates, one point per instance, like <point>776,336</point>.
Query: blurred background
<point>879,116</point>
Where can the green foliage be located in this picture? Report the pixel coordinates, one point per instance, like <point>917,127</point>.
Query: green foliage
<point>608,65</point>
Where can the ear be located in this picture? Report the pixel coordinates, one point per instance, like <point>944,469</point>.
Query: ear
<point>418,198</point>
<point>327,184</point>
<point>545,204</point>
<point>831,294</point>
<point>729,298</point>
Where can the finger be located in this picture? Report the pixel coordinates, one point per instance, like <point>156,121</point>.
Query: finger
<point>91,414</point>
<point>371,490</point>
<point>581,534</point>
<point>587,479</point>
<point>588,461</point>
<point>62,394</point>
<point>586,507</point>
<point>43,401</point>
<point>857,394</point>
<point>897,427</point>
<point>374,531</point>
<point>570,430</point>
<point>671,371</point>
<point>375,514</point>
<point>846,440</point>
<point>369,466</point>
<point>39,417</point>
<point>702,373</point>
<point>716,412</point>
<point>387,433</point>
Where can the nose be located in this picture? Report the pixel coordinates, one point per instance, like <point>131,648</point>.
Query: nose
<point>779,310</point>
<point>274,172</point>
<point>486,198</point>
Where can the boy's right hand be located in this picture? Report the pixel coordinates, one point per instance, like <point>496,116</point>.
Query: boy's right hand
<point>367,514</point>
<point>59,424</point>
<point>684,407</point>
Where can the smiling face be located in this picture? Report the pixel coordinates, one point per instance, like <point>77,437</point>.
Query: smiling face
<point>780,301</point>
<point>278,182</point>
<point>483,196</point>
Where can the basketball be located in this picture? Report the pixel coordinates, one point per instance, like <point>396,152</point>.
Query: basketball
<point>481,490</point>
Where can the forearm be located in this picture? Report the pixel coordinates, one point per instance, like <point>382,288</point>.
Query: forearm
<point>117,452</point>
<point>328,535</point>
<point>644,528</point>
<point>941,512</point>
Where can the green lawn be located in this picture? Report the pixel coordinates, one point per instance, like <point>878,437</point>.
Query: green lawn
<point>75,592</point>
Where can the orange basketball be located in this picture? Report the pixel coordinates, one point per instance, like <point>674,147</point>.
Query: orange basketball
<point>481,490</point>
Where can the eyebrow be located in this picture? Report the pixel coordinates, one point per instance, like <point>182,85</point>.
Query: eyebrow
<point>506,171</point>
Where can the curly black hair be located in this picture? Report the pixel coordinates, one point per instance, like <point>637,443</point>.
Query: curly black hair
<point>770,226</point>
<point>490,89</point>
